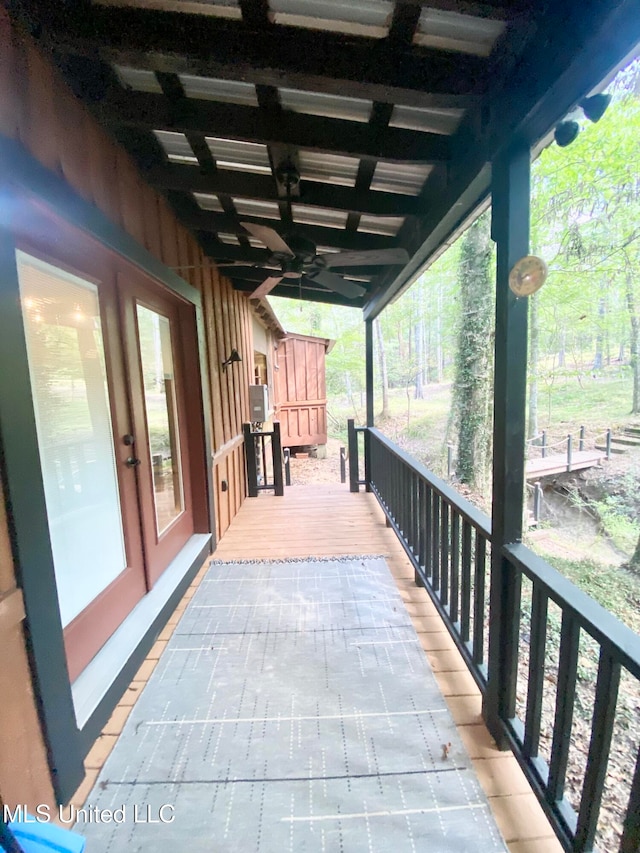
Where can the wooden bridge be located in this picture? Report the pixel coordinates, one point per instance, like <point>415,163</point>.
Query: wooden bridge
<point>559,463</point>
<point>569,459</point>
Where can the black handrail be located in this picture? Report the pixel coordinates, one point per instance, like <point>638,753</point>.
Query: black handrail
<point>448,540</point>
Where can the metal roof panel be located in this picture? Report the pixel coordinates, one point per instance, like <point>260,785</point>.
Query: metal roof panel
<point>176,147</point>
<point>212,89</point>
<point>405,178</point>
<point>358,17</point>
<point>328,168</point>
<point>138,79</point>
<point>322,104</point>
<point>456,32</point>
<point>426,120</point>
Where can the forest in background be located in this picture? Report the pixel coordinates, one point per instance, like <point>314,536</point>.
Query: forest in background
<point>434,345</point>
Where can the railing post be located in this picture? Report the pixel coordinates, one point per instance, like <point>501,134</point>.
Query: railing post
<point>287,466</point>
<point>544,443</point>
<point>343,465</point>
<point>510,231</point>
<point>608,444</point>
<point>581,444</point>
<point>276,450</point>
<point>537,501</point>
<point>569,451</point>
<point>354,467</point>
<point>449,461</point>
<point>250,458</point>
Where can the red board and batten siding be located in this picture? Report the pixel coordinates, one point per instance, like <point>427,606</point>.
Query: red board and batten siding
<point>300,390</point>
<point>38,109</point>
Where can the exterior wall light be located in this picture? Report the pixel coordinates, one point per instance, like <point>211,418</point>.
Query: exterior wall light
<point>233,358</point>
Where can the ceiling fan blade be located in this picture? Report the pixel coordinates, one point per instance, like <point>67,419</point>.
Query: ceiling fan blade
<point>266,287</point>
<point>371,257</point>
<point>269,237</point>
<point>340,285</point>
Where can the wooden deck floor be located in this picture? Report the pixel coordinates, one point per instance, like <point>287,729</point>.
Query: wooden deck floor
<point>330,521</point>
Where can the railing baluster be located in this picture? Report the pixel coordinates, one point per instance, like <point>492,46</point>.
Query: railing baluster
<point>435,542</point>
<point>478,598</point>
<point>567,672</point>
<point>444,552</point>
<point>465,589</point>
<point>455,565</point>
<point>537,644</point>
<point>604,716</point>
<point>428,549</point>
<point>631,831</point>
<point>415,515</point>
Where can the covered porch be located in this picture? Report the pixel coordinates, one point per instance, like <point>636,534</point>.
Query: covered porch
<point>323,522</point>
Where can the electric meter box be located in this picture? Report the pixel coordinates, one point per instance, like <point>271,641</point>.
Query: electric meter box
<point>259,403</point>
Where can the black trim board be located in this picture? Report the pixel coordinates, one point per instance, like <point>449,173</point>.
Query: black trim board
<point>29,526</point>
<point>22,172</point>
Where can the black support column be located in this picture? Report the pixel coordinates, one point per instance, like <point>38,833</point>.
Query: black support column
<point>510,231</point>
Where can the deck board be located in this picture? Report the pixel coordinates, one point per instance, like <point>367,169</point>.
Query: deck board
<point>327,521</point>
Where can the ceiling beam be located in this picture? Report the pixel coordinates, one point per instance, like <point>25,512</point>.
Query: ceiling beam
<point>204,220</point>
<point>241,184</point>
<point>233,121</point>
<point>314,60</point>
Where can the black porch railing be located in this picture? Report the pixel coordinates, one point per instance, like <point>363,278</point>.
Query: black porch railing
<point>448,542</point>
<point>263,455</point>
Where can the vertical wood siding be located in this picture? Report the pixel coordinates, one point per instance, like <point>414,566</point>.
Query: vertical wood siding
<point>300,389</point>
<point>38,110</point>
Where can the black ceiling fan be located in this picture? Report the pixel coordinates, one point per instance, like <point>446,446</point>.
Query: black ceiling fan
<point>295,256</point>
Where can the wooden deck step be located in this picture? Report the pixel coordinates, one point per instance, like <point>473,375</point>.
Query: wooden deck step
<point>627,440</point>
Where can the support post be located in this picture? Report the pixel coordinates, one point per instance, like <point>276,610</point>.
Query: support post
<point>569,451</point>
<point>287,466</point>
<point>368,329</point>
<point>252,465</point>
<point>276,444</point>
<point>354,468</point>
<point>510,231</point>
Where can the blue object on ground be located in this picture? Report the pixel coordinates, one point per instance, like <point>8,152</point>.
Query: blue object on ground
<point>38,837</point>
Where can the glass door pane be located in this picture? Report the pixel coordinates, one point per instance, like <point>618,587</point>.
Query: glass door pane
<point>73,420</point>
<point>159,381</point>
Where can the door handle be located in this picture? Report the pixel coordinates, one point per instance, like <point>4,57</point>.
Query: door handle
<point>132,462</point>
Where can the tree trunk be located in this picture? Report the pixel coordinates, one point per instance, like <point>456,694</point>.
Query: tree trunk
<point>634,562</point>
<point>634,344</point>
<point>384,376</point>
<point>534,358</point>
<point>417,330</point>
<point>439,356</point>
<point>473,367</point>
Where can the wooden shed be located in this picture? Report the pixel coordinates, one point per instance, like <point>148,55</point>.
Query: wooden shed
<point>301,390</point>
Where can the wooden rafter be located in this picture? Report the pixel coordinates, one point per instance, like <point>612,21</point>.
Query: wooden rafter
<point>234,121</point>
<point>316,60</point>
<point>187,179</point>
